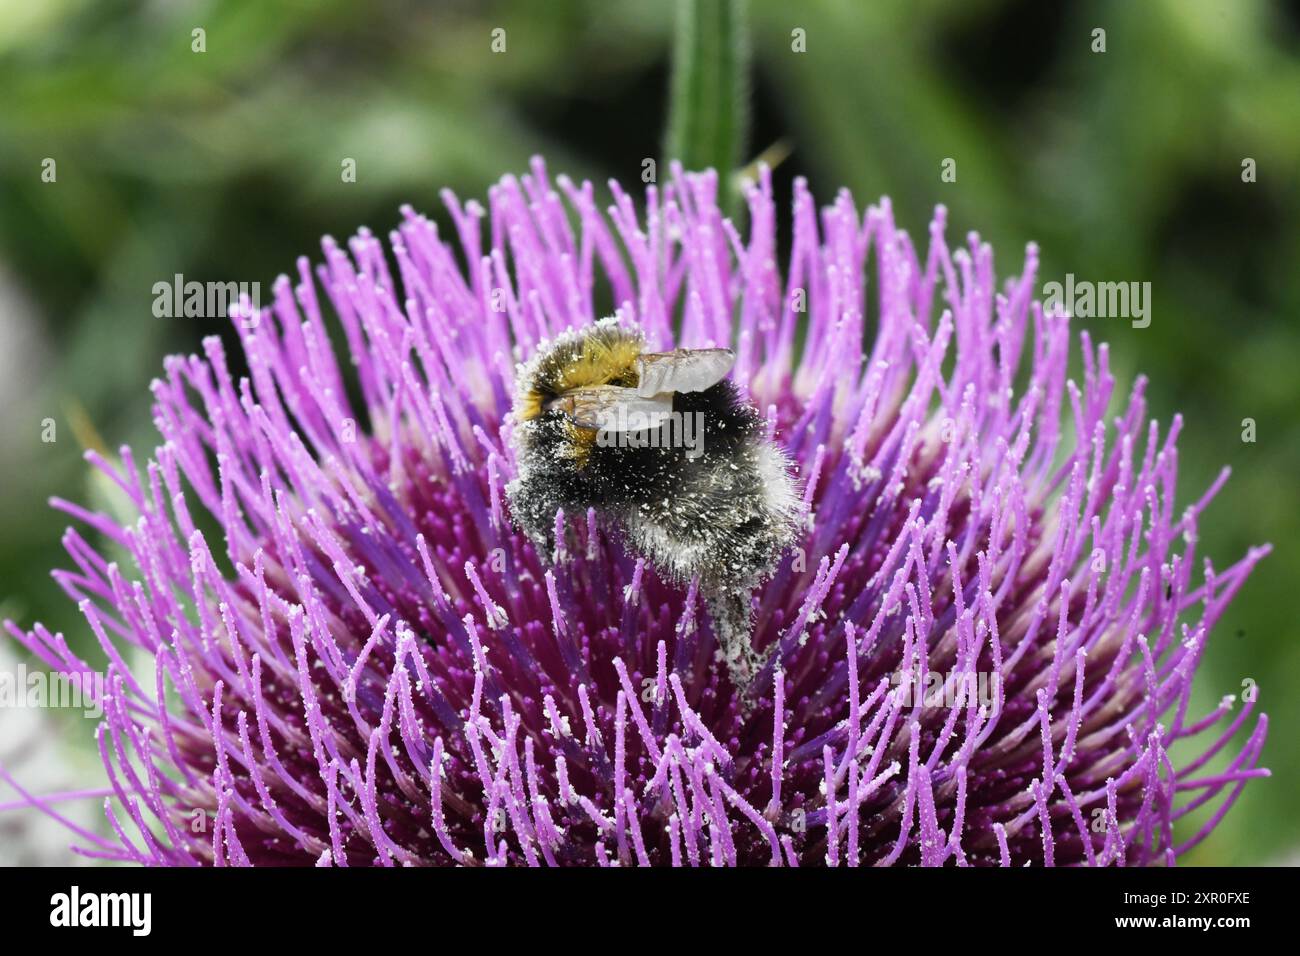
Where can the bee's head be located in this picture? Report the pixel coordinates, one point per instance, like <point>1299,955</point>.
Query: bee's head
<point>602,354</point>
<point>579,383</point>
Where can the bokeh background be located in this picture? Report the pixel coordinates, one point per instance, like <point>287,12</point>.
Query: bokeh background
<point>225,165</point>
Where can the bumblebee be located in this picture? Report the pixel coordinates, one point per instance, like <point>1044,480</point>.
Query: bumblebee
<point>668,453</point>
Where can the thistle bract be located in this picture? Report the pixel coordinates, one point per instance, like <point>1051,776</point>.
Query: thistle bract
<point>980,650</point>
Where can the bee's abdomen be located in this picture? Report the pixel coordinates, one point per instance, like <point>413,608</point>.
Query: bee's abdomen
<point>708,429</point>
<point>725,513</point>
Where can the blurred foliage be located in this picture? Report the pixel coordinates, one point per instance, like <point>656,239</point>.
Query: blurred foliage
<point>1123,165</point>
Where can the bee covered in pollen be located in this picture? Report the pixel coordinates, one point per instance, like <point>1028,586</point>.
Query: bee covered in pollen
<point>665,450</point>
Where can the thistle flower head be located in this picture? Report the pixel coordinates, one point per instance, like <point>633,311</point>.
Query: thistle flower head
<point>330,646</point>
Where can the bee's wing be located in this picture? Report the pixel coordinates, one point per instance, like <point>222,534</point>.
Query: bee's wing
<point>613,409</point>
<point>682,370</point>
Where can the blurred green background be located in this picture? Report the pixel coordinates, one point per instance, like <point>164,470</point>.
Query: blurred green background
<point>1123,165</point>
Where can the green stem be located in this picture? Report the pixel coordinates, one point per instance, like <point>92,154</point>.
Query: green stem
<point>708,114</point>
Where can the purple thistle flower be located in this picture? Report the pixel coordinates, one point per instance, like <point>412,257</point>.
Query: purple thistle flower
<point>367,665</point>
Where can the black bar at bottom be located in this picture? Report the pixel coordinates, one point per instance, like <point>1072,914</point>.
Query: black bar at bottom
<point>394,908</point>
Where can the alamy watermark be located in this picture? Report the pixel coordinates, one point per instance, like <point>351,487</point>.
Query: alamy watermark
<point>133,911</point>
<point>1101,300</point>
<point>621,427</point>
<point>954,689</point>
<point>80,690</point>
<point>207,300</point>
